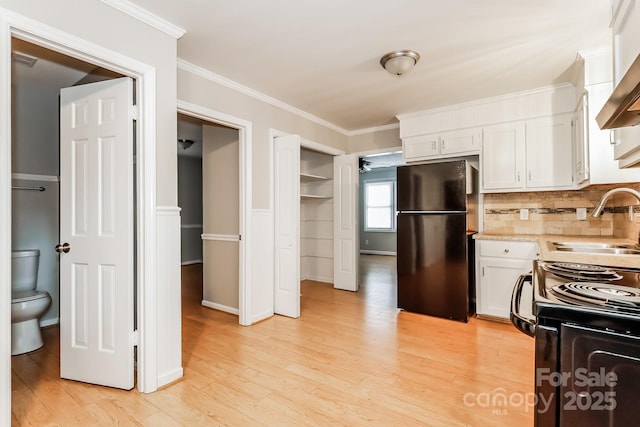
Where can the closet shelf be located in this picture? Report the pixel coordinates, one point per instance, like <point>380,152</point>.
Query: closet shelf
<point>314,196</point>
<point>310,177</point>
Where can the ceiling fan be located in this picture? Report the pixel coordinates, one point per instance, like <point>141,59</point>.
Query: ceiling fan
<point>364,165</point>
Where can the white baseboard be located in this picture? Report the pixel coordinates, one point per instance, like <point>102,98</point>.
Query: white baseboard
<point>261,316</point>
<point>324,279</point>
<point>221,307</point>
<point>368,252</point>
<point>49,322</point>
<point>170,377</point>
<point>195,261</point>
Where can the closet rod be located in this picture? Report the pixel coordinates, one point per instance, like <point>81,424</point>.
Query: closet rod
<point>29,188</point>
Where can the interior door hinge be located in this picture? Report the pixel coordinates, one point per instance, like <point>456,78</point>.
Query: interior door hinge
<point>133,112</point>
<point>135,337</point>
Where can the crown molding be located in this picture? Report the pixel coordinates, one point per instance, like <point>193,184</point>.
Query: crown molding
<point>374,129</point>
<point>145,16</point>
<point>223,81</point>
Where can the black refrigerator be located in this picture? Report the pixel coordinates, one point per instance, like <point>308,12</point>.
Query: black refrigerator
<point>437,214</point>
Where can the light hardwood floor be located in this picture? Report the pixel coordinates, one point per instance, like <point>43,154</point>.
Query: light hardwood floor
<point>350,359</point>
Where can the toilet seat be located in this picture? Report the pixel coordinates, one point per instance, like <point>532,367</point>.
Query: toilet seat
<point>24,296</point>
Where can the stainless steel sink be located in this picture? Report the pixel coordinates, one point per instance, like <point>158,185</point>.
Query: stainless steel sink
<point>598,248</point>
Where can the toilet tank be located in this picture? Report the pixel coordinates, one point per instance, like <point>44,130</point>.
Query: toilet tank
<point>24,269</point>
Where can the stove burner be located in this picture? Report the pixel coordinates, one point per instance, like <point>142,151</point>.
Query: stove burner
<point>582,268</point>
<point>616,292</point>
<point>599,293</point>
<point>574,271</point>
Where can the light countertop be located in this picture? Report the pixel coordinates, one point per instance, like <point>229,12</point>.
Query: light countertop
<point>549,253</point>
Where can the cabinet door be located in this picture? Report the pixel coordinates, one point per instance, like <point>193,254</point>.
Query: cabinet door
<point>503,156</point>
<point>497,276</point>
<point>465,141</point>
<point>549,152</point>
<point>420,147</point>
<point>581,140</point>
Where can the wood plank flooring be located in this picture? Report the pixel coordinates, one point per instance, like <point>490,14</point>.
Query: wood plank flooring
<point>350,359</point>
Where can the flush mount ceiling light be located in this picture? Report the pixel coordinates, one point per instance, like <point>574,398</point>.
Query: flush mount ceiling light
<point>185,143</point>
<point>400,62</point>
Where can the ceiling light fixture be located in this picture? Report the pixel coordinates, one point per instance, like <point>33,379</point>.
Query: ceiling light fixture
<point>400,62</point>
<point>185,143</point>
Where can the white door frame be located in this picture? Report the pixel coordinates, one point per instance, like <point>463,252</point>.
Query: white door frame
<point>15,25</point>
<point>244,128</point>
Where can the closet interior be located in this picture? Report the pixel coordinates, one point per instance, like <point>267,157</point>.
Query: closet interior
<point>316,216</point>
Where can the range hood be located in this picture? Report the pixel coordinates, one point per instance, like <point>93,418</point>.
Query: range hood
<point>622,109</point>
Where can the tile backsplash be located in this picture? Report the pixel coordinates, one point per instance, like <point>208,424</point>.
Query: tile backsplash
<point>554,212</point>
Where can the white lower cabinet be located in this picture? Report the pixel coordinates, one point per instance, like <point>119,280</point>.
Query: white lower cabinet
<point>499,263</point>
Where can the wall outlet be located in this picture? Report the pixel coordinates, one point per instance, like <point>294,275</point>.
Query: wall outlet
<point>581,214</point>
<point>524,214</point>
<point>366,242</point>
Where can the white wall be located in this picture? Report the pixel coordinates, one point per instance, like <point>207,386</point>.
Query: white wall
<point>376,140</point>
<point>206,93</point>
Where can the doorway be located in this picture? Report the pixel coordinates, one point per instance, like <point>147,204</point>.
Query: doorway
<point>208,195</point>
<point>377,227</point>
<point>225,143</point>
<point>39,76</point>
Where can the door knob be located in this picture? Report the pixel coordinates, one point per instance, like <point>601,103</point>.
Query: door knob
<point>65,247</point>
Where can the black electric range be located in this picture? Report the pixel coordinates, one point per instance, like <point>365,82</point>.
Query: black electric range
<point>586,323</point>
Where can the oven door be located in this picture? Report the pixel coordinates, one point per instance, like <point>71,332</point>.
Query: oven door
<point>546,350</point>
<point>521,305</point>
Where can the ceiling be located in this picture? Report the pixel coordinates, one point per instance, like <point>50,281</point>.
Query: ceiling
<point>323,57</point>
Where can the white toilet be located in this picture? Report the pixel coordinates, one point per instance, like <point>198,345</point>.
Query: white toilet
<point>27,303</point>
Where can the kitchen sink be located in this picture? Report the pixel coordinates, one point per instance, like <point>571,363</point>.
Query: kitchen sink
<point>598,248</point>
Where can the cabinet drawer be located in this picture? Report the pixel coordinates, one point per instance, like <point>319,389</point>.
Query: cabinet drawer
<point>507,249</point>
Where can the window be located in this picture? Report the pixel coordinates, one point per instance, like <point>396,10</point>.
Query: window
<point>380,209</point>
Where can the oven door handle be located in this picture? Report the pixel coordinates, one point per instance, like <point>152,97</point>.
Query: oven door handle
<point>524,324</point>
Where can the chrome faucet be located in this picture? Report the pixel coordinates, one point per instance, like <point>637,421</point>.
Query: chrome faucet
<point>600,207</point>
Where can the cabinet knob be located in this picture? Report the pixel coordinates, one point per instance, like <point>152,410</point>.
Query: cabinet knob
<point>506,251</point>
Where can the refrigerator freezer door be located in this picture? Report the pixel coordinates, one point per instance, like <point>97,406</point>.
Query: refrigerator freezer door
<point>433,187</point>
<point>432,265</point>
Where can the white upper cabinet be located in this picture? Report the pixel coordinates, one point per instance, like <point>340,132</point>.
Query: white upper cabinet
<point>441,145</point>
<point>503,157</point>
<point>549,152</point>
<point>525,139</point>
<point>528,155</point>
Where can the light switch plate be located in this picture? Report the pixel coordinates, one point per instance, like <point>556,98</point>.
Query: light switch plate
<point>581,213</point>
<point>524,214</point>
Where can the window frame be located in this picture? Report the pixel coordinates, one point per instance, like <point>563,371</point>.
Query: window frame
<point>392,206</point>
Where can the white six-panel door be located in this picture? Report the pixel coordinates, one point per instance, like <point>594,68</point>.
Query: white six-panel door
<point>96,220</point>
<point>287,225</point>
<point>345,237</point>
